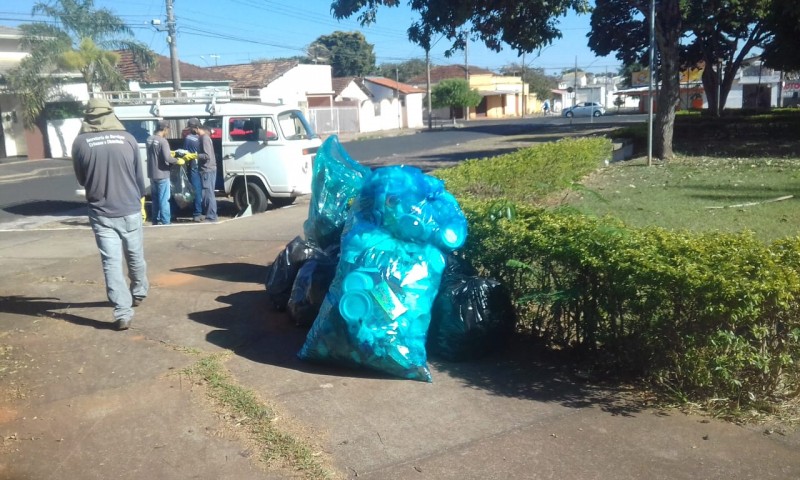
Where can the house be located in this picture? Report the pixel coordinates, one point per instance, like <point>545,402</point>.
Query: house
<point>502,96</point>
<point>282,82</point>
<point>407,100</point>
<point>195,81</point>
<point>369,104</point>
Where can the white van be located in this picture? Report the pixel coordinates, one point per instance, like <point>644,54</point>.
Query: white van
<point>271,146</point>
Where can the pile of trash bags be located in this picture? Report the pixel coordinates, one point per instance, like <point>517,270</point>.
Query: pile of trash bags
<point>367,277</point>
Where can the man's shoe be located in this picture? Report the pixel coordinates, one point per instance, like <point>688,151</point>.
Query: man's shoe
<point>137,301</point>
<point>198,219</point>
<point>123,324</point>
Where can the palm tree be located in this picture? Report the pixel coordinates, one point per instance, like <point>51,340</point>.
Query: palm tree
<point>79,37</point>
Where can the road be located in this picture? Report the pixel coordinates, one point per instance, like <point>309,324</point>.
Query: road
<point>44,194</point>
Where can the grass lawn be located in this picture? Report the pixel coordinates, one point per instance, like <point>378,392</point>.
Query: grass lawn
<point>683,194</point>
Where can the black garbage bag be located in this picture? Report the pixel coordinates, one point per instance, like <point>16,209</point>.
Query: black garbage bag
<point>281,274</point>
<point>312,283</point>
<point>471,317</point>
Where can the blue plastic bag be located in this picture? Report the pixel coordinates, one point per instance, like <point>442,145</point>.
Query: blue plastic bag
<point>377,312</point>
<point>337,179</point>
<point>378,309</point>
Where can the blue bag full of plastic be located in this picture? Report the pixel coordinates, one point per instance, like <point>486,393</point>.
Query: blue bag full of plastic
<point>337,179</point>
<point>377,311</point>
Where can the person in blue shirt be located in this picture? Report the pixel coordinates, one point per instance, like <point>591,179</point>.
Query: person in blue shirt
<point>192,144</point>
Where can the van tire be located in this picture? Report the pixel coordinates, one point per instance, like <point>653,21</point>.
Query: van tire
<point>258,198</point>
<point>279,202</point>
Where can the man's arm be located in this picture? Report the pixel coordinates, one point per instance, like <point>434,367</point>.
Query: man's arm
<point>165,153</point>
<point>137,168</point>
<point>76,164</point>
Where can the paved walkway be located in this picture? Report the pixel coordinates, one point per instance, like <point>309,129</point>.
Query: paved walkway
<point>80,400</point>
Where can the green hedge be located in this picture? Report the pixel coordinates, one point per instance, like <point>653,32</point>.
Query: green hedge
<point>704,315</point>
<point>530,173</point>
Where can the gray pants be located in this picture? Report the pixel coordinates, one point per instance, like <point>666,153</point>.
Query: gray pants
<point>116,237</point>
<point>209,199</point>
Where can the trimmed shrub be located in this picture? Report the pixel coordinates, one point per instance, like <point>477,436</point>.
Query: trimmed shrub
<point>704,315</point>
<point>528,174</point>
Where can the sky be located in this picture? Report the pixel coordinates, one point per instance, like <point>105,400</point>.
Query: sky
<point>222,32</point>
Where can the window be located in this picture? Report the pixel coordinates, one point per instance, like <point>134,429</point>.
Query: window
<point>140,129</point>
<point>293,126</point>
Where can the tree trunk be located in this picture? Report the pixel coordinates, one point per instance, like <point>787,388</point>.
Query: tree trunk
<point>668,32</point>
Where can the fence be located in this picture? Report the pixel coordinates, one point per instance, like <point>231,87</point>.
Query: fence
<point>335,120</point>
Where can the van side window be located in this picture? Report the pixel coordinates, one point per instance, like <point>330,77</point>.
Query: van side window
<point>245,129</point>
<point>140,129</point>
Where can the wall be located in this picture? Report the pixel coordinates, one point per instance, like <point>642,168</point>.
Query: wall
<point>61,134</point>
<point>413,110</point>
<point>292,87</point>
<point>13,130</point>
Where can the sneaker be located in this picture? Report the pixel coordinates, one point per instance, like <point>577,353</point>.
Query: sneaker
<point>137,301</point>
<point>123,324</point>
<point>198,219</point>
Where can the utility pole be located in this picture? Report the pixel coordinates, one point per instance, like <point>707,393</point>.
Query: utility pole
<point>652,66</point>
<point>466,72</point>
<point>524,95</point>
<point>397,87</point>
<point>428,85</point>
<point>173,49</point>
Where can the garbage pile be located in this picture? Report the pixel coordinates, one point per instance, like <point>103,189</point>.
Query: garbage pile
<point>366,277</point>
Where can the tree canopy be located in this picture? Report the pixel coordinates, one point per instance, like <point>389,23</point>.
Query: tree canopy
<point>79,37</point>
<point>720,32</point>
<point>781,50</point>
<point>348,53</point>
<point>454,92</point>
<point>403,70</point>
<point>524,25</point>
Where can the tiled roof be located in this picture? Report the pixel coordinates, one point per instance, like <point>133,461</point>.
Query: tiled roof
<point>254,75</point>
<point>401,87</point>
<point>163,71</point>
<point>445,72</point>
<point>340,83</point>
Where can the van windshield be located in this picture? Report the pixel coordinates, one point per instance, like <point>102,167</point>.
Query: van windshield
<point>294,126</point>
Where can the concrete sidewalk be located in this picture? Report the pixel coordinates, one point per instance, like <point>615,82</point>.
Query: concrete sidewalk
<point>81,401</point>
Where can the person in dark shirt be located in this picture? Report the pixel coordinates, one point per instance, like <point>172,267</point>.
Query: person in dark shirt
<point>192,144</point>
<point>106,162</point>
<point>159,162</point>
<point>208,172</point>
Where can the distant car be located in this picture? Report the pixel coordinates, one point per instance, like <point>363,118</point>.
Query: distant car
<point>585,109</point>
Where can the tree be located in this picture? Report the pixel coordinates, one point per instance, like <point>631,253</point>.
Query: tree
<point>781,50</point>
<point>721,32</point>
<point>623,26</point>
<point>454,93</point>
<point>405,70</point>
<point>349,53</point>
<point>524,25</point>
<point>78,37</point>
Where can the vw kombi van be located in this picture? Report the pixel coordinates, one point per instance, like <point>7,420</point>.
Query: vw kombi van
<point>264,152</point>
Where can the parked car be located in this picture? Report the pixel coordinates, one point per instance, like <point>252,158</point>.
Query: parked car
<point>585,109</point>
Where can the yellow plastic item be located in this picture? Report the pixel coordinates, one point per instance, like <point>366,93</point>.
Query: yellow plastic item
<point>180,161</point>
<point>144,211</point>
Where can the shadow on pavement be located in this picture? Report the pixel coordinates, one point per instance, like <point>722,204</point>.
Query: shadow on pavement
<point>50,307</point>
<point>228,272</point>
<point>249,327</point>
<point>48,207</point>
